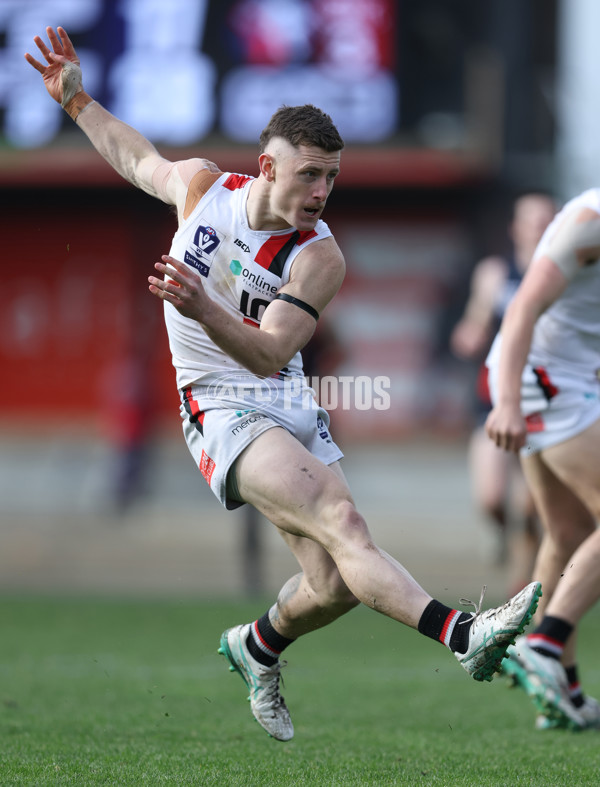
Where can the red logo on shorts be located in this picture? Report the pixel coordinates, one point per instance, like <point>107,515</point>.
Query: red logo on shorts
<point>535,422</point>
<point>206,466</point>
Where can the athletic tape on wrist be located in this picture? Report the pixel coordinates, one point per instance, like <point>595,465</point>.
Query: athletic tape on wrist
<point>78,104</point>
<point>71,82</point>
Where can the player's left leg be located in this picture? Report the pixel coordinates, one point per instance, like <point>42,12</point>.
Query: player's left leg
<point>566,519</point>
<point>579,588</point>
<point>308,601</point>
<point>565,481</point>
<point>577,591</point>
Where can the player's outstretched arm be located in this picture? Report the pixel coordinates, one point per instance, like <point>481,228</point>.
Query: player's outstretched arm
<point>126,150</point>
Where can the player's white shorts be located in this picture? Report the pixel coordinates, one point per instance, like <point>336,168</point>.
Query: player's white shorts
<point>557,404</point>
<point>221,419</point>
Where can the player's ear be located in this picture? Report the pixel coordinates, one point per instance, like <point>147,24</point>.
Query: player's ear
<point>267,166</point>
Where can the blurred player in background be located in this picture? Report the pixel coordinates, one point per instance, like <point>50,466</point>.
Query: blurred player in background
<point>544,377</point>
<point>251,268</point>
<point>499,489</point>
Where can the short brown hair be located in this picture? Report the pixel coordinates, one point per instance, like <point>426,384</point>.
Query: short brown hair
<point>305,125</point>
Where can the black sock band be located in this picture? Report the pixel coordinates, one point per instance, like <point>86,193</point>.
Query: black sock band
<point>550,636</point>
<point>446,625</point>
<point>264,642</point>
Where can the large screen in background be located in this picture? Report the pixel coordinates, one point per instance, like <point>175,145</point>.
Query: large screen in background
<point>181,71</point>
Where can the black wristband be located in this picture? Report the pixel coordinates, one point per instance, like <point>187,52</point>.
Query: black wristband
<point>300,304</point>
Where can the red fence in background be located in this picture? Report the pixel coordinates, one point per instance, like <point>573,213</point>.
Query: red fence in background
<point>82,340</point>
<point>79,333</point>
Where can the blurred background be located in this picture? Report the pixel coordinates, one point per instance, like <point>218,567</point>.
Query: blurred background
<point>449,108</point>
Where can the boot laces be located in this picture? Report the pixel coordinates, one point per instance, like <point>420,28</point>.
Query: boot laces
<point>469,603</point>
<point>271,687</point>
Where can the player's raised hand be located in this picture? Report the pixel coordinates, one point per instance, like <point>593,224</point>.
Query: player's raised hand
<point>62,75</point>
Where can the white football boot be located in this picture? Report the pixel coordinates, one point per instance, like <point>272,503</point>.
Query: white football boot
<point>267,704</point>
<point>545,681</point>
<point>492,631</point>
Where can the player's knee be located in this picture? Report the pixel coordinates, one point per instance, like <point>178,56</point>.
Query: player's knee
<point>345,526</point>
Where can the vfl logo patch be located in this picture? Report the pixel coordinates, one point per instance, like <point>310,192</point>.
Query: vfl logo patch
<point>200,253</point>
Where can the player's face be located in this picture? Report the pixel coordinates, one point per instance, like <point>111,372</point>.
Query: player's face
<point>303,179</point>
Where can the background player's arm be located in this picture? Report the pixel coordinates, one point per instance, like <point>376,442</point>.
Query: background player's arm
<point>542,284</point>
<point>317,274</point>
<point>575,243</point>
<point>471,335</point>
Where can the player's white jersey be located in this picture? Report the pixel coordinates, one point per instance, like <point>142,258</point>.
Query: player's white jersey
<point>242,270</point>
<point>568,332</point>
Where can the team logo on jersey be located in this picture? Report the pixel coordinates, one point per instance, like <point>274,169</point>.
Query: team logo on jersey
<point>200,253</point>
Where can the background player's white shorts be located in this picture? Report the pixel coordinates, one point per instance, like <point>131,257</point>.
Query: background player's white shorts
<point>557,404</point>
<point>221,419</point>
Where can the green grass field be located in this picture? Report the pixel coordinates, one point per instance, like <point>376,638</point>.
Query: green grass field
<point>133,693</point>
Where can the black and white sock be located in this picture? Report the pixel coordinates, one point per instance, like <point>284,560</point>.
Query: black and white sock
<point>264,643</point>
<point>446,625</point>
<point>550,637</point>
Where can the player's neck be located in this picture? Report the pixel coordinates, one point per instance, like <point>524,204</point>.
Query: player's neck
<point>259,211</point>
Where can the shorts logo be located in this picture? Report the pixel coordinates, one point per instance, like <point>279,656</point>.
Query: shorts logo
<point>243,424</point>
<point>234,390</point>
<point>201,252</point>
<point>206,466</point>
<point>322,429</point>
<point>534,423</point>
